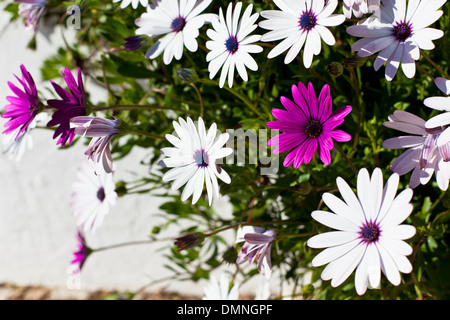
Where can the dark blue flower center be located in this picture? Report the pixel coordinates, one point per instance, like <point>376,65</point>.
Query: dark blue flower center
<point>178,24</point>
<point>370,232</point>
<point>307,20</point>
<point>232,44</point>
<point>402,31</point>
<point>101,194</point>
<point>313,128</point>
<point>201,159</point>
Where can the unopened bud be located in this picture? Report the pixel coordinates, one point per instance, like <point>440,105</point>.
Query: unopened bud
<point>189,241</point>
<point>353,62</point>
<point>230,255</point>
<point>187,74</point>
<point>335,69</point>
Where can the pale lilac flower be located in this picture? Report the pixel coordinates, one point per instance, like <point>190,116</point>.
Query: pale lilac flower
<point>134,3</point>
<point>73,104</point>
<point>360,7</point>
<point>423,156</point>
<point>308,124</point>
<point>102,131</point>
<point>302,22</point>
<point>257,245</point>
<point>369,234</point>
<point>178,22</point>
<point>23,107</point>
<point>231,44</point>
<point>193,159</point>
<point>443,104</point>
<point>32,11</point>
<point>15,146</point>
<point>93,195</point>
<point>398,31</point>
<point>220,290</point>
<point>82,252</point>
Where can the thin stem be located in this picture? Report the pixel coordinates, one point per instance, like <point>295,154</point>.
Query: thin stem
<point>199,98</point>
<point>123,244</point>
<point>444,74</point>
<point>147,134</point>
<point>358,103</point>
<point>135,107</point>
<point>238,225</point>
<point>346,158</point>
<point>236,94</point>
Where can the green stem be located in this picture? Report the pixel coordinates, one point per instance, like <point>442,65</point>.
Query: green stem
<point>346,159</point>
<point>236,94</point>
<point>199,97</point>
<point>444,74</point>
<point>147,134</point>
<point>238,225</point>
<point>123,244</point>
<point>135,107</point>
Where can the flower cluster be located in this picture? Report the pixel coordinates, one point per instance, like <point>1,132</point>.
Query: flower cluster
<point>370,226</point>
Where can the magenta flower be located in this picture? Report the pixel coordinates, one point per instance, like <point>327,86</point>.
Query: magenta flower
<point>32,11</point>
<point>24,107</point>
<point>257,245</point>
<point>82,252</point>
<point>102,131</point>
<point>308,124</point>
<point>73,104</point>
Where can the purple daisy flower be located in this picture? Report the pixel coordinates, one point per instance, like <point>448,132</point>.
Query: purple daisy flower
<point>257,245</point>
<point>308,124</point>
<point>102,131</point>
<point>82,252</point>
<point>73,104</point>
<point>24,107</point>
<point>32,11</point>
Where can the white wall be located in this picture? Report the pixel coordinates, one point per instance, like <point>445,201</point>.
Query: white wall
<point>36,226</point>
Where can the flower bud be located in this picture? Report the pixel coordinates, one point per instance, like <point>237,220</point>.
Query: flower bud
<point>189,241</point>
<point>353,62</point>
<point>187,74</point>
<point>335,69</point>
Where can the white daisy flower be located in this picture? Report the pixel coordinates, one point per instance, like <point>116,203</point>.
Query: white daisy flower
<point>360,7</point>
<point>423,156</point>
<point>134,3</point>
<point>231,44</point>
<point>220,290</point>
<point>399,32</point>
<point>442,104</point>
<point>300,23</point>
<point>178,22</point>
<point>193,159</point>
<point>369,235</point>
<point>93,195</point>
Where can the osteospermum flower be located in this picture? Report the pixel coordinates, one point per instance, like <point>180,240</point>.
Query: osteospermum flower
<point>299,23</point>
<point>178,22</point>
<point>360,7</point>
<point>32,11</point>
<point>308,124</point>
<point>24,107</point>
<point>18,142</point>
<point>193,159</point>
<point>73,104</point>
<point>82,252</point>
<point>92,197</point>
<point>102,131</point>
<point>443,104</point>
<point>398,32</point>
<point>231,44</point>
<point>220,290</point>
<point>134,3</point>
<point>423,156</point>
<point>369,234</point>
<point>257,245</point>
